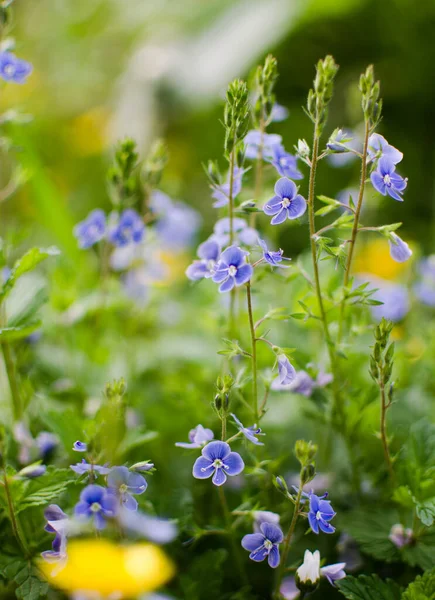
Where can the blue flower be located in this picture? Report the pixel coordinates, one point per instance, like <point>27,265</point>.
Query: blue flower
<point>221,193</point>
<point>32,471</point>
<point>242,233</point>
<point>286,371</point>
<point>57,523</point>
<point>279,113</point>
<point>13,68</point>
<point>395,300</point>
<point>125,483</point>
<point>264,544</point>
<point>232,269</point>
<point>218,460</point>
<point>425,288</point>
<point>336,142</point>
<point>301,384</point>
<point>253,142</point>
<point>287,204</point>
<point>208,253</point>
<point>199,436</point>
<point>91,230</point>
<point>273,257</point>
<point>320,513</point>
<point>264,516</point>
<point>284,162</point>
<point>249,432</point>
<point>80,446</point>
<point>177,225</point>
<point>85,467</point>
<point>399,250</point>
<point>129,229</point>
<point>378,147</point>
<point>386,181</point>
<point>46,443</point>
<point>98,503</point>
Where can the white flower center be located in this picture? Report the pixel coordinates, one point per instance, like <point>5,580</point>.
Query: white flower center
<point>318,515</point>
<point>283,161</point>
<point>268,544</point>
<point>387,179</point>
<point>286,202</point>
<point>232,270</point>
<point>210,264</point>
<point>218,464</point>
<point>123,488</point>
<point>95,507</point>
<point>10,70</point>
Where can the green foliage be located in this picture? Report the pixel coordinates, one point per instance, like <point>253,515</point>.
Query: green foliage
<point>25,576</point>
<point>12,334</point>
<point>195,585</point>
<point>25,264</point>
<point>368,587</point>
<point>423,588</point>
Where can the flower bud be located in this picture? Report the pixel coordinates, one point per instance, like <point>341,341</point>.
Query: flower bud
<point>143,466</point>
<point>308,574</point>
<point>32,471</point>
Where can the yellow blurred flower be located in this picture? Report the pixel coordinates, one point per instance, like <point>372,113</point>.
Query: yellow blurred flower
<point>374,257</point>
<point>103,567</point>
<point>88,133</point>
<point>175,266</point>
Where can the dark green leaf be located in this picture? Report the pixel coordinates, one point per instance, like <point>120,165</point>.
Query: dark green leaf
<point>368,587</point>
<point>423,588</point>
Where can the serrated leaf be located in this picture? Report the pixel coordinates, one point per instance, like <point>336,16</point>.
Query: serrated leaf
<point>25,575</point>
<point>371,531</point>
<point>368,587</point>
<point>423,588</point>
<point>44,489</point>
<point>426,511</point>
<point>11,334</point>
<point>24,265</point>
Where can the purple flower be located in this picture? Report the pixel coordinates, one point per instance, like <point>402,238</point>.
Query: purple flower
<point>336,142</point>
<point>286,371</point>
<point>242,233</point>
<point>264,516</point>
<point>333,572</point>
<point>91,230</point>
<point>400,536</point>
<point>279,113</point>
<point>46,443</point>
<point>284,162</point>
<point>177,225</point>
<point>379,147</point>
<point>425,289</point>
<point>13,68</point>
<point>253,143</point>
<point>85,467</point>
<point>320,513</point>
<point>273,257</point>
<point>129,229</point>
<point>399,250</point>
<point>57,523</point>
<point>142,467</point>
<point>208,253</point>
<point>159,531</point>
<point>232,269</point>
<point>287,204</point>
<point>218,460</point>
<point>32,471</point>
<point>301,384</point>
<point>98,503</point>
<point>198,438</point>
<point>264,544</point>
<point>221,193</point>
<point>386,181</point>
<point>80,446</point>
<point>289,590</point>
<point>395,300</point>
<point>125,483</point>
<point>249,432</point>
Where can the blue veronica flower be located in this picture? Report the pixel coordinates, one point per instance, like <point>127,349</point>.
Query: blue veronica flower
<point>337,141</point>
<point>218,460</point>
<point>264,516</point>
<point>249,432</point>
<point>395,298</point>
<point>425,288</point>
<point>253,141</point>
<point>232,269</point>
<point>57,523</point>
<point>32,471</point>
<point>80,446</point>
<point>46,443</point>
<point>386,181</point>
<point>129,229</point>
<point>13,68</point>
<point>98,503</point>
<point>264,544</point>
<point>91,230</point>
<point>378,147</point>
<point>159,531</point>
<point>221,193</point>
<point>287,204</point>
<point>320,513</point>
<point>84,467</point>
<point>333,572</point>
<point>208,253</point>
<point>289,590</point>
<point>399,250</point>
<point>242,233</point>
<point>125,483</point>
<point>198,437</point>
<point>279,113</point>
<point>177,226</point>
<point>273,257</point>
<point>301,384</point>
<point>284,162</point>
<point>286,371</point>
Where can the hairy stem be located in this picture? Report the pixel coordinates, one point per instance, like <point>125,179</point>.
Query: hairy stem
<point>254,353</point>
<point>384,436</point>
<point>231,324</point>
<point>235,547</point>
<point>287,541</point>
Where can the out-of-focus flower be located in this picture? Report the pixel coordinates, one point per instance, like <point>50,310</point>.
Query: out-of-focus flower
<point>199,437</point>
<point>253,141</point>
<point>91,230</point>
<point>232,269</point>
<point>208,253</point>
<point>57,523</point>
<point>249,432</point>
<point>264,516</point>
<point>378,147</point>
<point>303,383</point>
<point>88,132</point>
<point>84,467</point>
<point>395,298</point>
<point>279,113</point>
<point>289,590</point>
<point>341,158</point>
<point>401,536</point>
<point>273,257</point>
<point>129,229</point>
<point>126,484</point>
<point>264,544</point>
<point>103,567</point>
<point>399,250</point>
<point>218,460</point>
<point>154,529</point>
<point>79,446</point>
<point>46,443</point>
<point>177,226</point>
<point>320,513</point>
<point>337,141</point>
<point>13,68</point>
<point>32,471</point>
<point>98,503</point>
<point>286,371</point>
<point>333,572</point>
<point>242,233</point>
<point>375,258</point>
<point>425,288</point>
<point>143,466</point>
<point>287,204</point>
<point>221,193</point>
<point>284,162</point>
<point>386,181</point>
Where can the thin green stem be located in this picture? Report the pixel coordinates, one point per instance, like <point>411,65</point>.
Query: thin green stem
<point>17,405</point>
<point>11,511</point>
<point>224,425</point>
<point>254,352</point>
<point>235,547</point>
<point>231,323</point>
<point>287,541</point>
<point>384,436</point>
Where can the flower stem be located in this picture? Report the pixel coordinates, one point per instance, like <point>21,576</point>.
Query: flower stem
<point>231,323</point>
<point>224,425</point>
<point>352,241</point>
<point>13,383</point>
<point>12,517</point>
<point>287,541</point>
<point>384,437</point>
<point>254,352</point>
<point>235,548</point>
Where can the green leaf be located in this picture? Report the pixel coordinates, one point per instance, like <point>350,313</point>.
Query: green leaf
<point>134,438</point>
<point>44,489</point>
<point>423,588</point>
<point>426,511</point>
<point>371,531</point>
<point>24,265</point>
<point>368,587</point>
<point>11,334</point>
<point>25,575</point>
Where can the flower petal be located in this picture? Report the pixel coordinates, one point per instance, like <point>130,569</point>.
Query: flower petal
<point>234,464</point>
<point>285,188</point>
<point>209,250</point>
<point>202,469</point>
<point>244,274</point>
<point>297,207</point>
<point>233,256</point>
<point>326,527</point>
<point>272,532</point>
<point>219,477</point>
<point>252,541</point>
<point>280,217</point>
<point>273,206</point>
<point>216,450</point>
<point>129,502</point>
<point>273,558</point>
<point>227,285</point>
<point>314,523</point>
